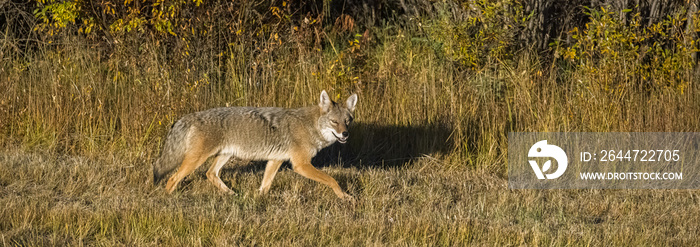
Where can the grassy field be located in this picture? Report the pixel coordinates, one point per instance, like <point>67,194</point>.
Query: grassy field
<point>62,200</point>
<point>426,159</point>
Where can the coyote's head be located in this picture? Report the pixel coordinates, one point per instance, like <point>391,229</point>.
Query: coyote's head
<point>336,118</point>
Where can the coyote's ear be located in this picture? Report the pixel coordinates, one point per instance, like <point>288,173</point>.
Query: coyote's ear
<point>325,102</point>
<point>351,102</point>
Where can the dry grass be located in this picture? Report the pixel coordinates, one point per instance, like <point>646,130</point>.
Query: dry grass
<point>62,200</point>
<point>427,160</point>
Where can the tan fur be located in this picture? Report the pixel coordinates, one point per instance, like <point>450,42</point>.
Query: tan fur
<point>193,159</point>
<point>302,165</point>
<point>213,173</point>
<point>270,171</point>
<point>273,134</point>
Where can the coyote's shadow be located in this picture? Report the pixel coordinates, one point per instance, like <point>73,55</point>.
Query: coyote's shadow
<point>386,146</point>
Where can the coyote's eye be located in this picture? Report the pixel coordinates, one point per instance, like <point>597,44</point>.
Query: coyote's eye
<point>334,122</point>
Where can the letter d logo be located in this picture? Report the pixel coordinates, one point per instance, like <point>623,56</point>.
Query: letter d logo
<point>541,149</point>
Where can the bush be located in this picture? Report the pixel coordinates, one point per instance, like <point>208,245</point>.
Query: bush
<point>656,56</point>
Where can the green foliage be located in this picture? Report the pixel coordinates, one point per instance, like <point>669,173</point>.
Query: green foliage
<point>167,20</point>
<point>128,16</point>
<point>54,16</point>
<point>657,56</point>
<point>488,33</point>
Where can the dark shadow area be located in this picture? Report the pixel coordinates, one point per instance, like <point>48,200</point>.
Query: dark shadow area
<point>236,165</point>
<point>385,146</point>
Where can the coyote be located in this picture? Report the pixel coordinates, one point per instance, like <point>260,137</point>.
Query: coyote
<point>255,133</point>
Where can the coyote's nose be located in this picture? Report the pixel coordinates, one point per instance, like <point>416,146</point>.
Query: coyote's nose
<point>345,134</point>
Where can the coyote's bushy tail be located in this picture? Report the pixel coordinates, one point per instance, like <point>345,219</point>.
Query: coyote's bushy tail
<point>173,151</point>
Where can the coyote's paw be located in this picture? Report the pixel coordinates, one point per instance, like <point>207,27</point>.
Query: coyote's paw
<point>348,198</point>
<point>229,192</point>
